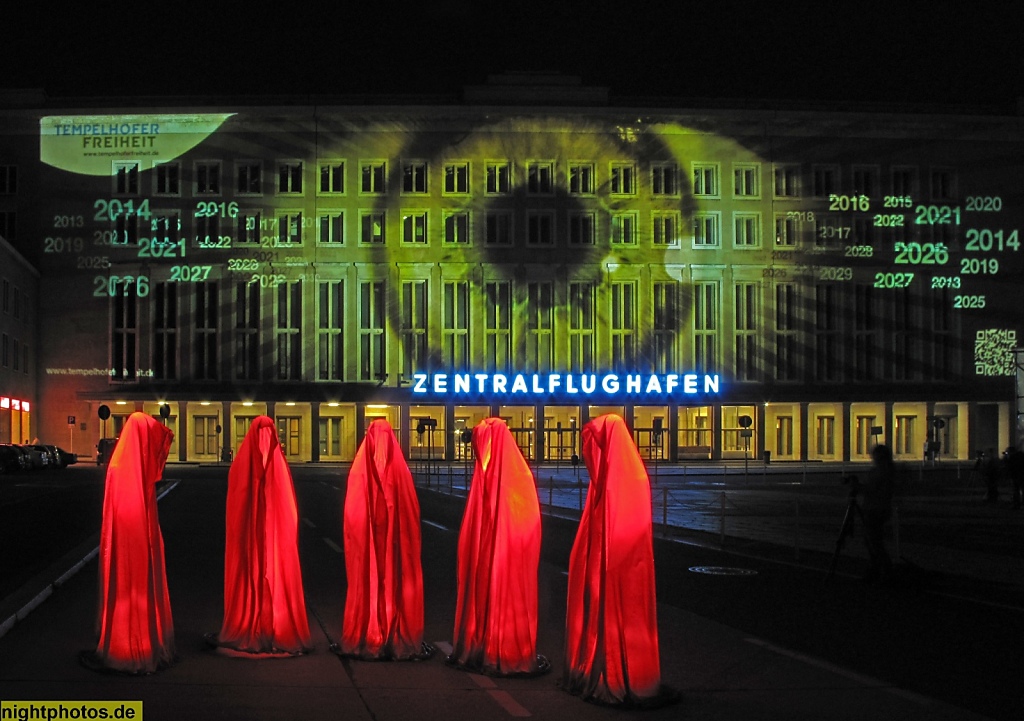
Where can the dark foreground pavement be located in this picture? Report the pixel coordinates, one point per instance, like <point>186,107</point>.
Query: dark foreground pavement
<point>721,672</point>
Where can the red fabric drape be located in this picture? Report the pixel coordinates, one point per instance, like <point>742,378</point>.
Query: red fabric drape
<point>499,552</point>
<point>384,601</point>
<point>611,651</point>
<point>264,604</point>
<point>136,633</point>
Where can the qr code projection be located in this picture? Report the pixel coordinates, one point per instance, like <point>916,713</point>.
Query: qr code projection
<point>993,352</point>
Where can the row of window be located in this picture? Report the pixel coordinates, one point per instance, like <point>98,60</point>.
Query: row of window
<point>665,228</point>
<point>687,325</point>
<point>540,177</point>
<point>13,354</point>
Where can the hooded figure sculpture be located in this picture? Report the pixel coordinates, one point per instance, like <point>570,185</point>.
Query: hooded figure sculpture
<point>611,642</point>
<point>384,601</point>
<point>264,604</point>
<point>136,634</point>
<point>499,552</point>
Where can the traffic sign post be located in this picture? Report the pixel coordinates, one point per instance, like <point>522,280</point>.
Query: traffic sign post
<point>71,432</point>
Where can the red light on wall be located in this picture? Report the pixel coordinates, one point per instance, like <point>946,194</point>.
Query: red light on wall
<point>5,402</point>
<point>15,404</point>
<point>25,407</point>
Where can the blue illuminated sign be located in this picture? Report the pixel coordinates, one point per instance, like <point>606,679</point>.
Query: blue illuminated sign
<point>567,384</point>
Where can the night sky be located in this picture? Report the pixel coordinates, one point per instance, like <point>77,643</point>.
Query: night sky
<point>940,52</point>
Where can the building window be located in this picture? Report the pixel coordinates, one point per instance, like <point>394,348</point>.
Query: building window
<point>167,179</point>
<point>165,331</point>
<point>666,325</point>
<point>866,350</point>
<point>15,354</point>
<point>456,228</point>
<point>623,179</point>
<point>785,332</point>
<point>499,174</point>
<point>331,225</point>
<point>455,324</point>
<point>498,228</point>
<point>6,355</point>
<point>332,177</point>
<point>540,228</point>
<point>943,184</point>
<point>623,325</point>
<point>705,326</point>
<point>665,228</point>
<point>8,179</point>
<point>539,311</point>
<point>746,313</point>
<point>7,295</point>
<point>8,225</point>
<point>249,225</point>
<point>787,181</point>
<point>747,228</point>
<point>124,329</point>
<point>372,349</point>
<point>330,331</point>
<point>824,180</point>
<point>207,177</point>
<point>289,177</point>
<point>126,178</point>
<point>371,230</point>
<point>581,326</point>
<point>865,180</point>
<point>746,180</point>
<point>414,177</point>
<point>904,181</point>
<point>289,227</point>
<point>247,331</point>
<point>204,342</point>
<point>498,325</point>
<point>787,230</point>
<point>826,366</point>
<point>581,178</point>
<point>456,178</point>
<point>373,177</point>
<point>706,230</point>
<point>581,228</point>
<point>414,227</point>
<point>164,228</point>
<point>706,180</point>
<point>250,177</point>
<point>414,326</point>
<point>16,296</point>
<point>540,178</point>
<point>623,227</point>
<point>289,331</point>
<point>664,179</point>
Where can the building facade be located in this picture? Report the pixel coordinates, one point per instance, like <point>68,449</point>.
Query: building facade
<point>19,282</point>
<point>733,282</point>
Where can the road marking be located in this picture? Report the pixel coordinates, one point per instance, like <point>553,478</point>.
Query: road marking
<point>503,698</point>
<point>444,646</point>
<point>334,546</point>
<point>839,670</point>
<point>435,525</point>
<point>309,523</point>
<point>483,681</point>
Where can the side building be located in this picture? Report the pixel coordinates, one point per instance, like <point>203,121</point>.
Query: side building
<point>734,282</point>
<point>19,283</point>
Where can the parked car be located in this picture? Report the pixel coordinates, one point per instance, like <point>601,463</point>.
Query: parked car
<point>64,458</point>
<point>103,450</point>
<point>50,459</point>
<point>24,462</point>
<point>37,458</point>
<point>10,460</point>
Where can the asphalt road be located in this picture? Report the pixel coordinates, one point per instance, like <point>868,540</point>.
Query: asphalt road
<point>915,638</point>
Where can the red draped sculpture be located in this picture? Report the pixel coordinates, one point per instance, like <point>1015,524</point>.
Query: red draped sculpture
<point>136,634</point>
<point>499,552</point>
<point>611,646</point>
<point>384,601</point>
<point>264,604</point>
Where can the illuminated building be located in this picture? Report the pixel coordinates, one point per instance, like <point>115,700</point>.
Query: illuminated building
<point>19,283</point>
<point>837,277</point>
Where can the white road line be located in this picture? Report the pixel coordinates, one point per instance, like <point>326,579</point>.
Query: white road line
<point>483,681</point>
<point>839,670</point>
<point>309,523</point>
<point>511,706</point>
<point>435,525</point>
<point>444,647</point>
<point>334,546</point>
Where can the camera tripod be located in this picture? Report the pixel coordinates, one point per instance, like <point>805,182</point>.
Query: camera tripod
<point>846,530</point>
